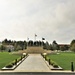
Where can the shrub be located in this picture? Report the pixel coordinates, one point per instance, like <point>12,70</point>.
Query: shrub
<point>26,54</point>
<point>18,59</point>
<point>43,56</point>
<point>9,65</point>
<point>55,65</point>
<point>23,56</point>
<point>47,58</point>
<point>13,62</point>
<point>52,62</point>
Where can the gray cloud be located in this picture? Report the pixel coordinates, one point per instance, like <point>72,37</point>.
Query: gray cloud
<point>52,19</point>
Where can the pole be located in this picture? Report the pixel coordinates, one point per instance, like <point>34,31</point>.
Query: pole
<point>72,67</point>
<point>27,40</point>
<point>42,41</point>
<point>35,37</point>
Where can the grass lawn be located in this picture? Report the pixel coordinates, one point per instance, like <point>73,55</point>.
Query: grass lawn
<point>6,58</point>
<point>64,59</point>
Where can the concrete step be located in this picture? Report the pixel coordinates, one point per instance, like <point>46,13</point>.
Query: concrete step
<point>35,49</point>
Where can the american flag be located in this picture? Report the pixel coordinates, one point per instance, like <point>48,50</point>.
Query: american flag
<point>27,38</point>
<point>43,38</point>
<point>35,35</point>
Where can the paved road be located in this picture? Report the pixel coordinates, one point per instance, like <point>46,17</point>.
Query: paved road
<point>34,73</point>
<point>33,63</point>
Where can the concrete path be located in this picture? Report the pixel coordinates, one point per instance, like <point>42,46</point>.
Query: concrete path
<point>33,63</point>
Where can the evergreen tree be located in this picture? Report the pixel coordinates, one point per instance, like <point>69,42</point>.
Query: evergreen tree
<point>72,45</point>
<point>47,46</point>
<point>51,48</point>
<point>55,46</point>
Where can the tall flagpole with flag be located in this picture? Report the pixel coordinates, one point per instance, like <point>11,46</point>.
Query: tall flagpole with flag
<point>27,41</point>
<point>42,40</point>
<point>35,37</point>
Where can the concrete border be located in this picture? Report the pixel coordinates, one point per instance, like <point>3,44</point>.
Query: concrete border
<point>15,66</point>
<point>51,67</point>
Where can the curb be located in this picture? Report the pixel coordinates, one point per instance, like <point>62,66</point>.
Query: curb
<point>51,67</point>
<point>15,66</point>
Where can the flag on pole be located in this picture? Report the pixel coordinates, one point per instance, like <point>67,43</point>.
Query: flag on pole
<point>43,38</point>
<point>35,35</point>
<point>27,39</point>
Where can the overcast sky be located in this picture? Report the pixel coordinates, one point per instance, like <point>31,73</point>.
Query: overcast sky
<point>51,19</point>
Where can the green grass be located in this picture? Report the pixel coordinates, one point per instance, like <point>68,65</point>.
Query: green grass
<point>64,59</point>
<point>6,58</point>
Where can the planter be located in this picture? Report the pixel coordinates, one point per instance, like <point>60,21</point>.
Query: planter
<point>55,68</point>
<point>52,65</point>
<point>12,66</point>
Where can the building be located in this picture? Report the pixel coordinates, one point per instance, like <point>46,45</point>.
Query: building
<point>9,48</point>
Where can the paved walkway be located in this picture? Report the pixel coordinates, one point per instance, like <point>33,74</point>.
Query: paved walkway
<point>33,63</point>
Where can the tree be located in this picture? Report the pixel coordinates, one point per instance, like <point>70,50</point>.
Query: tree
<point>55,46</point>
<point>18,47</point>
<point>25,45</point>
<point>62,48</point>
<point>72,42</point>
<point>66,47</point>
<point>5,41</point>
<point>72,45</point>
<point>2,47</point>
<point>44,46</point>
<point>47,46</point>
<point>30,43</point>
<point>51,48</point>
<point>36,43</point>
<point>40,43</point>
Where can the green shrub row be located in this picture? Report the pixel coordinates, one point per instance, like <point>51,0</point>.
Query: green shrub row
<point>51,62</point>
<point>43,55</point>
<point>54,64</point>
<point>10,65</point>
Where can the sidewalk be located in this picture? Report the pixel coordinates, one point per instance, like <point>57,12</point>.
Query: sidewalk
<point>34,63</point>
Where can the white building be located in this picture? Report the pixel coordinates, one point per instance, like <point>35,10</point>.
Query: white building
<point>10,47</point>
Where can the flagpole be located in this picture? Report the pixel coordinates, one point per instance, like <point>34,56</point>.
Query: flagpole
<point>27,40</point>
<point>42,41</point>
<point>35,37</point>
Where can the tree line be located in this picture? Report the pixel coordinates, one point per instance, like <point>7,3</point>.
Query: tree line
<point>22,45</point>
<point>56,46</point>
<point>18,45</point>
